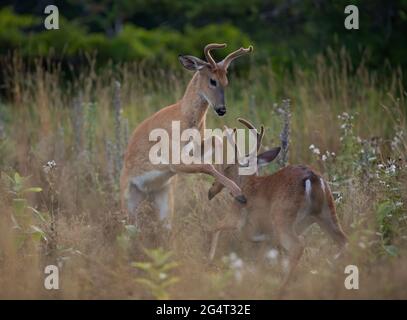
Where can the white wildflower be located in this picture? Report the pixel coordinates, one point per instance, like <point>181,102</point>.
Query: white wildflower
<point>362,245</point>
<point>236,264</point>
<point>49,166</point>
<point>272,256</point>
<point>392,168</point>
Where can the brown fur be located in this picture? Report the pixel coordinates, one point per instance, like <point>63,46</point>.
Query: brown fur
<point>191,112</point>
<point>274,204</point>
<point>278,205</point>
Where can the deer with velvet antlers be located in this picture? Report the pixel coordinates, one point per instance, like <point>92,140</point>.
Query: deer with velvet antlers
<point>280,206</point>
<point>140,179</point>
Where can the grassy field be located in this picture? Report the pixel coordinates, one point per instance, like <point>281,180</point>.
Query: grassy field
<point>61,146</point>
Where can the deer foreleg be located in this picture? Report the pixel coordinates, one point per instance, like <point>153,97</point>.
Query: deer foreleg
<point>209,169</point>
<point>229,222</point>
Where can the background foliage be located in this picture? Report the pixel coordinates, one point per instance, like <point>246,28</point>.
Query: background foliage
<point>285,31</point>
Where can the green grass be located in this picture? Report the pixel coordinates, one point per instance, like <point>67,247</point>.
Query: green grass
<point>86,234</point>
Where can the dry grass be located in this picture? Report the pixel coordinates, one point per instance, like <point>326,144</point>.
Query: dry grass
<point>87,236</point>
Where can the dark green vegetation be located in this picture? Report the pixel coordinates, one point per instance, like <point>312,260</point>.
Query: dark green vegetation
<point>284,31</point>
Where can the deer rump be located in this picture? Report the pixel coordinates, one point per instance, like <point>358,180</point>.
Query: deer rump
<point>300,199</point>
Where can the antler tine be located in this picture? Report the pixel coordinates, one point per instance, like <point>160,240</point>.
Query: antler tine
<point>232,56</point>
<point>247,123</point>
<point>260,135</point>
<point>229,136</point>
<point>260,138</point>
<point>207,52</point>
<point>232,139</point>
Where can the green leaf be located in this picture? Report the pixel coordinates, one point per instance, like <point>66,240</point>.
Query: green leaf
<point>37,233</point>
<point>14,220</point>
<point>44,217</point>
<point>11,180</point>
<point>20,239</point>
<point>384,209</point>
<point>19,205</point>
<point>142,265</point>
<point>169,282</point>
<point>391,250</point>
<point>169,266</point>
<point>131,230</point>
<point>123,241</point>
<point>33,189</point>
<point>147,283</point>
<point>17,178</point>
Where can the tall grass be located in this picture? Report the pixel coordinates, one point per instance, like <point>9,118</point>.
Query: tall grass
<point>83,124</point>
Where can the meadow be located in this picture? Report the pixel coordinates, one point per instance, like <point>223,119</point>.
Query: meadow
<point>62,137</point>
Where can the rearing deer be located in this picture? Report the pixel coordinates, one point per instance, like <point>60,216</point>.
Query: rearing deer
<point>140,179</point>
<point>281,205</point>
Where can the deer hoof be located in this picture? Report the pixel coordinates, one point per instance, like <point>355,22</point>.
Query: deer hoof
<point>242,199</point>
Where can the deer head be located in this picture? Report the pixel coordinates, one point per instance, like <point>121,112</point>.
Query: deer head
<point>211,79</point>
<point>231,171</point>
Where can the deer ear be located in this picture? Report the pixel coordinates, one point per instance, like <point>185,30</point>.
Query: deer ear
<point>214,190</point>
<point>268,156</point>
<point>192,63</point>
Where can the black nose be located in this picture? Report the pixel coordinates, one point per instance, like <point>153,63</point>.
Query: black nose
<point>221,111</point>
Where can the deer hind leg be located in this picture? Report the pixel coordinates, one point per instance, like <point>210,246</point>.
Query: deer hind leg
<point>328,220</point>
<point>133,200</point>
<point>163,202</point>
<point>330,225</point>
<point>292,244</point>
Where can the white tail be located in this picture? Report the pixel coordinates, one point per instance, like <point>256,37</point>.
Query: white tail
<point>283,204</point>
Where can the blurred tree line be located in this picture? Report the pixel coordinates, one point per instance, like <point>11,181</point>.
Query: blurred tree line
<point>283,31</point>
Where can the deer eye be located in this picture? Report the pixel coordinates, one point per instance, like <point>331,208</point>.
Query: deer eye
<point>213,82</point>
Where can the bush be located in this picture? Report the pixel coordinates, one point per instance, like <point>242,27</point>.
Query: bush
<point>159,46</point>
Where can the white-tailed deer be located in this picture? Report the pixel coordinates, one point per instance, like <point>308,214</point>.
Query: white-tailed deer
<point>281,205</point>
<point>140,179</point>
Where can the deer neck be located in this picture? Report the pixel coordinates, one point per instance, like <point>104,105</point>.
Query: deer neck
<point>193,105</point>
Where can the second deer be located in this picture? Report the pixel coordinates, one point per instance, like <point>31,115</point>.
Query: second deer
<point>281,205</point>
